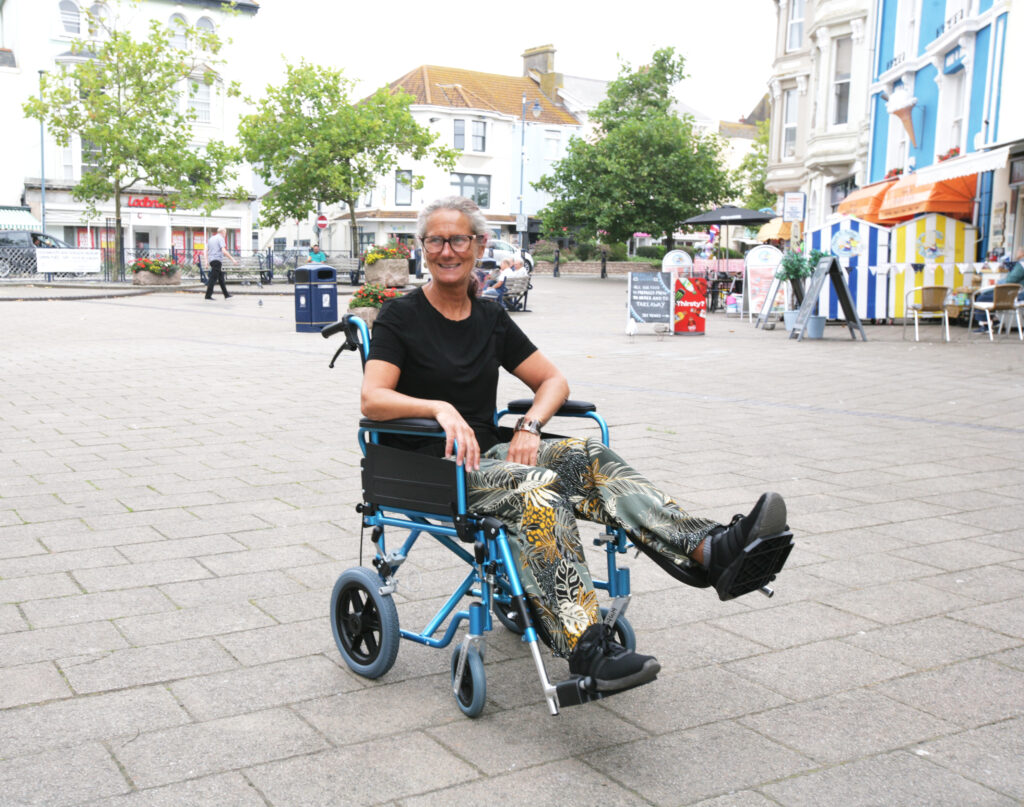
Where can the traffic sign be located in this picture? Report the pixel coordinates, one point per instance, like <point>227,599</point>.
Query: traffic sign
<point>321,222</point>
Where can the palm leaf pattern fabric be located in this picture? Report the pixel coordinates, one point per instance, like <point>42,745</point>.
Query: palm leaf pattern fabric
<point>539,506</point>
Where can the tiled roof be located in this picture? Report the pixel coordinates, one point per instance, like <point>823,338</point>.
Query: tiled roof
<point>489,92</point>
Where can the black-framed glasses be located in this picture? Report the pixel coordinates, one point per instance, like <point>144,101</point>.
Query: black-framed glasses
<point>433,244</point>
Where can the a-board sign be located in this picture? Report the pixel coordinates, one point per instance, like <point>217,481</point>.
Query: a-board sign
<point>828,267</point>
<point>769,302</point>
<point>68,261</point>
<point>760,266</point>
<point>650,297</point>
<point>676,259</point>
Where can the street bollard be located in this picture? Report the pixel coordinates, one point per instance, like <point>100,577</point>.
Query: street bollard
<point>604,264</point>
<point>557,253</point>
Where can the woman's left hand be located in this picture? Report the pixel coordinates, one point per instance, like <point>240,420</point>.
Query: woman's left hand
<point>523,448</point>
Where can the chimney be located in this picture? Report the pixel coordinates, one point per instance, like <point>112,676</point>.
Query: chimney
<point>541,59</point>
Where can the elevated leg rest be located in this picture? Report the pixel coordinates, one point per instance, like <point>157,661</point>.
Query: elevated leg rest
<point>755,567</point>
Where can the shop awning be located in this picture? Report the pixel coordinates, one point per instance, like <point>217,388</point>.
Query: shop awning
<point>18,218</point>
<point>865,202</point>
<point>909,197</point>
<point>775,230</point>
<point>975,163</point>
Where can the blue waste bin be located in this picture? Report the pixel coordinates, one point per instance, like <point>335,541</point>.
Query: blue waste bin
<point>303,301</point>
<point>323,283</point>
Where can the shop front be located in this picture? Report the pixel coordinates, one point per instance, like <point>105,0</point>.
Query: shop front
<point>863,251</point>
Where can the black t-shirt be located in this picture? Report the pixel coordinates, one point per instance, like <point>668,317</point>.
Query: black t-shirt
<point>447,360</point>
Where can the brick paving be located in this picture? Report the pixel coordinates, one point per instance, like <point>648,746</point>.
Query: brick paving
<point>177,481</point>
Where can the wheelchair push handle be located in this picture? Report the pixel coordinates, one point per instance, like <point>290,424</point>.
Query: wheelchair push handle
<point>357,337</point>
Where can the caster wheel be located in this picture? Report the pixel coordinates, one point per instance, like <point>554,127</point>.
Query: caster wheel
<point>623,633</point>
<point>364,622</point>
<point>472,689</point>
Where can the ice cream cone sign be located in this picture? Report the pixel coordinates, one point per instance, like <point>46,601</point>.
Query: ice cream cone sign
<point>901,104</point>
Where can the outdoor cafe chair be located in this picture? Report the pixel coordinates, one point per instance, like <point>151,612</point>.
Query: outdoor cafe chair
<point>1003,302</point>
<point>932,301</point>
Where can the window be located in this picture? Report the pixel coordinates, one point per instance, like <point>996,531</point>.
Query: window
<point>366,200</point>
<point>953,100</point>
<point>69,17</point>
<point>795,30</point>
<point>366,240</point>
<point>838,191</point>
<point>841,81</point>
<point>205,27</point>
<point>199,100</point>
<point>99,20</point>
<point>68,160</point>
<point>479,135</point>
<point>280,244</point>
<point>473,186</point>
<point>403,188</point>
<point>552,144</point>
<point>178,25</point>
<point>460,135</point>
<point>789,114</point>
<point>90,157</point>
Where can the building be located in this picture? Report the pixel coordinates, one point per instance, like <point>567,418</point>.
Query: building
<point>35,36</point>
<point>939,111</point>
<point>819,111</point>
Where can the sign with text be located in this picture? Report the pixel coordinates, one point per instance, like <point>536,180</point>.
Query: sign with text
<point>794,206</point>
<point>676,260</point>
<point>760,267</point>
<point>650,297</point>
<point>691,303</point>
<point>68,261</point>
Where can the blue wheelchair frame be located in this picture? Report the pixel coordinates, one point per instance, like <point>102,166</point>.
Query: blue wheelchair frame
<point>492,581</point>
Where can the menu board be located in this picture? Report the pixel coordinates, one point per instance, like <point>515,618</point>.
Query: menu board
<point>650,297</point>
<point>761,264</point>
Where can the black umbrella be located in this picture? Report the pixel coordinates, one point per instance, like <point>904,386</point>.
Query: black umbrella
<point>730,214</point>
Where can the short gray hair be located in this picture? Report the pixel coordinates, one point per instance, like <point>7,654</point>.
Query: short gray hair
<point>459,204</point>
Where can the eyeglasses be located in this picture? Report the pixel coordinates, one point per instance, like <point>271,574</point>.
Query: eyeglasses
<point>433,244</point>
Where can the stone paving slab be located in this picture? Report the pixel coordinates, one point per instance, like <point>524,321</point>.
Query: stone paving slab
<point>177,482</point>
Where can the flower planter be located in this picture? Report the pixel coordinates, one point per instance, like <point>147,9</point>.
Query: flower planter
<point>150,279</point>
<point>366,313</point>
<point>389,272</point>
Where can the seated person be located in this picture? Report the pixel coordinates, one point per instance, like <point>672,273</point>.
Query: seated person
<point>1016,275</point>
<point>317,255</point>
<point>494,286</point>
<point>435,354</point>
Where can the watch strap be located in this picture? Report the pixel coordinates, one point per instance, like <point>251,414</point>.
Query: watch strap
<point>525,424</point>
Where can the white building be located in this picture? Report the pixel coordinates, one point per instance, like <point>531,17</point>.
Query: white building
<point>819,95</point>
<point>36,35</point>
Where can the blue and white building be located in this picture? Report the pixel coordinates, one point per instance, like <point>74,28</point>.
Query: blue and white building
<point>942,106</point>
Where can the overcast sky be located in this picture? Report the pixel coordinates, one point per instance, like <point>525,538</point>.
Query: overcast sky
<point>728,44</point>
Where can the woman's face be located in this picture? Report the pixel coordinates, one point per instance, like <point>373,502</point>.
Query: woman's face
<point>448,267</point>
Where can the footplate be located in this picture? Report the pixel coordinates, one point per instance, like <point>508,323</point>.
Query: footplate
<point>578,689</point>
<point>755,567</point>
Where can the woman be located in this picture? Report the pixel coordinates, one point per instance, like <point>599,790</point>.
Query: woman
<point>435,353</point>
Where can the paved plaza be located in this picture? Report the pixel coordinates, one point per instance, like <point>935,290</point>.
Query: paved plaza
<point>177,489</point>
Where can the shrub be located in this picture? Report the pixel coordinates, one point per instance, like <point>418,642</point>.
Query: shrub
<point>391,250</point>
<point>618,252</point>
<point>585,250</point>
<point>543,250</point>
<point>652,251</point>
<point>158,266</point>
<point>372,296</point>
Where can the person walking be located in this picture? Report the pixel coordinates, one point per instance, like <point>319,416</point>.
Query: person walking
<point>216,249</point>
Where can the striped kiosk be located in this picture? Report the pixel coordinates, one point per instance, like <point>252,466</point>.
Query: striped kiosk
<point>941,246</point>
<point>863,252</point>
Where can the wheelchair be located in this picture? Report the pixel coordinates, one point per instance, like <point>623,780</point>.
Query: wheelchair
<point>427,496</point>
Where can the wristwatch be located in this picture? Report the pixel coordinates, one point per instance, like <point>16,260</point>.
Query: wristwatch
<point>530,425</point>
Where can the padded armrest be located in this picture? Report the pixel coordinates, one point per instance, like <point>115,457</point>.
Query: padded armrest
<point>415,425</point>
<point>520,405</point>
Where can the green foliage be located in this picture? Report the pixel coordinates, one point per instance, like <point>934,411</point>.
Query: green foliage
<point>311,144</point>
<point>391,250</point>
<point>158,266</point>
<point>753,171</point>
<point>652,251</point>
<point>796,267</point>
<point>585,250</point>
<point>618,252</point>
<point>646,172</point>
<point>122,96</point>
<point>543,250</point>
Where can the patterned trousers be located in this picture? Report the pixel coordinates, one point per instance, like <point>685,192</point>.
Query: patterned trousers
<point>539,506</point>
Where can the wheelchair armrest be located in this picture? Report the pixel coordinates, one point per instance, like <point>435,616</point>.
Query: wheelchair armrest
<point>569,408</point>
<point>403,425</point>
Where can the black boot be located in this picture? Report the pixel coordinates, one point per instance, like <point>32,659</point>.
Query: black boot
<point>611,666</point>
<point>726,548</point>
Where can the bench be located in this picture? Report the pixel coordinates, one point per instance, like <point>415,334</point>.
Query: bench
<point>246,271</point>
<point>516,290</point>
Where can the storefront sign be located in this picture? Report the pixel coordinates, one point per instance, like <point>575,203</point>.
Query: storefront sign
<point>146,201</point>
<point>794,206</point>
<point>68,261</point>
<point>954,60</point>
<point>676,259</point>
<point>845,243</point>
<point>931,244</point>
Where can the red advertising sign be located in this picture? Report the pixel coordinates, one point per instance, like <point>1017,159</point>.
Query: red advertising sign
<point>691,304</point>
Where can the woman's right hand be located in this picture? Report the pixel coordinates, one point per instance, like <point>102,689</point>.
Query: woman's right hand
<point>458,432</point>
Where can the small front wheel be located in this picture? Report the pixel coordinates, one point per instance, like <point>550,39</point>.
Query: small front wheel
<point>364,622</point>
<point>471,690</point>
<point>623,633</point>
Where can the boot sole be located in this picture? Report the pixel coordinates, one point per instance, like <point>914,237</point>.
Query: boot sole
<point>644,675</point>
<point>755,567</point>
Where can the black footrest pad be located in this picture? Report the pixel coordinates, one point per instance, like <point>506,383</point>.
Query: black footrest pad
<point>756,566</point>
<point>576,690</point>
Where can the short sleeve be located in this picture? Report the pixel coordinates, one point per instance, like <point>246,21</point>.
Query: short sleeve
<point>386,344</point>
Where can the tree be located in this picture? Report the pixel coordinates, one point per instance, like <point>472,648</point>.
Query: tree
<point>647,169</point>
<point>129,103</point>
<point>753,172</point>
<point>311,144</point>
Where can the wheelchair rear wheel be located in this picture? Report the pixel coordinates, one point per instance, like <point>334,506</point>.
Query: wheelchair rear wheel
<point>472,689</point>
<point>364,622</point>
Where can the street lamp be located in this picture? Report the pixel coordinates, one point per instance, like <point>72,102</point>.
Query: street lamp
<point>535,110</point>
<point>42,156</point>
